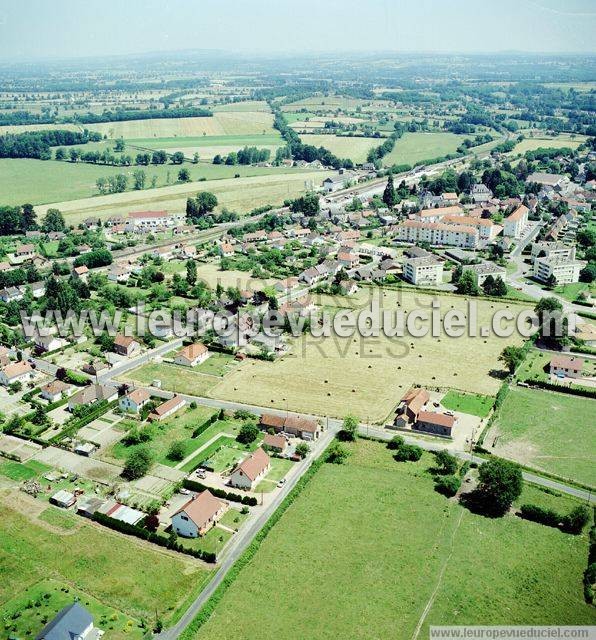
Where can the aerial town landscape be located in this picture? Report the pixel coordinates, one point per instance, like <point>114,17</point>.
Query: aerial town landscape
<point>297,344</point>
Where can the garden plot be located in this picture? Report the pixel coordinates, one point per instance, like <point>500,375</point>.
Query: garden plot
<point>22,449</point>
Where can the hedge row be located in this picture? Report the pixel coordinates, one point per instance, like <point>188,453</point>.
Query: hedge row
<point>194,485</point>
<point>205,613</point>
<point>590,572</point>
<point>205,425</point>
<point>572,522</point>
<point>559,388</point>
<point>73,426</point>
<point>151,536</point>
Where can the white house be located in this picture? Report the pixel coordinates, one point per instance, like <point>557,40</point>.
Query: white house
<point>192,355</point>
<point>437,234</point>
<point>198,515</point>
<point>564,268</point>
<point>250,471</point>
<point>54,391</point>
<point>16,372</point>
<point>134,401</point>
<point>484,269</point>
<point>141,220</point>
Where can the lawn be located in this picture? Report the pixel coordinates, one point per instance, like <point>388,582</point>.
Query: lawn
<point>49,181</point>
<point>147,580</point>
<point>233,518</point>
<point>380,541</point>
<point>57,517</point>
<point>367,376</point>
<point>414,148</point>
<point>549,431</point>
<point>224,457</point>
<point>279,469</point>
<point>474,404</point>
<point>173,377</point>
<point>22,471</point>
<point>211,273</point>
<point>179,427</point>
<point>262,186</point>
<point>28,612</point>
<point>572,291</point>
<point>355,148</point>
<point>217,364</point>
<point>536,367</point>
<point>214,540</point>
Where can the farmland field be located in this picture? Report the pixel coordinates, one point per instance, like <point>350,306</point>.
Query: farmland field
<point>413,148</point>
<point>212,275</point>
<point>222,123</point>
<point>367,376</point>
<point>530,144</point>
<point>147,580</point>
<point>46,181</point>
<point>405,542</point>
<point>355,148</point>
<point>268,186</point>
<point>550,431</point>
<point>173,378</point>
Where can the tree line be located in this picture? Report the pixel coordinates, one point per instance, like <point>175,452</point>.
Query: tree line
<point>36,144</point>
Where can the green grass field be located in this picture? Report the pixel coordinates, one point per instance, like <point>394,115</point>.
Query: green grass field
<point>50,181</point>
<point>475,404</point>
<point>413,148</point>
<point>279,469</point>
<point>22,471</point>
<point>178,428</point>
<point>147,580</point>
<point>531,144</point>
<point>549,431</point>
<point>173,378</point>
<point>262,186</point>
<point>380,542</point>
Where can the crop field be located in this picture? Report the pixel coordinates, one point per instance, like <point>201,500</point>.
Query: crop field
<point>367,376</point>
<point>413,148</point>
<point>550,431</point>
<point>222,123</point>
<point>355,148</point>
<point>266,186</point>
<point>530,144</point>
<point>409,548</point>
<point>148,580</point>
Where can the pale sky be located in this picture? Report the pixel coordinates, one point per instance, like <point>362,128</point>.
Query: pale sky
<point>74,28</point>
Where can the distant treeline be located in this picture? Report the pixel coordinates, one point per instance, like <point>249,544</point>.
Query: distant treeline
<point>26,117</point>
<point>36,144</point>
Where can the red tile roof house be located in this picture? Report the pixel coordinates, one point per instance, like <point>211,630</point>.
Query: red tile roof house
<point>410,406</point>
<point>566,366</point>
<point>192,355</point>
<point>126,346</point>
<point>305,428</point>
<point>437,423</point>
<point>226,250</point>
<point>134,401</point>
<point>16,372</point>
<point>250,471</point>
<point>167,409</point>
<point>275,443</point>
<point>348,260</point>
<point>198,515</point>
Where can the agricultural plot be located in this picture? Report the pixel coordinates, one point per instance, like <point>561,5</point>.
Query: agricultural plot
<point>355,148</point>
<point>367,376</point>
<point>268,186</point>
<point>148,581</point>
<point>173,378</point>
<point>413,148</point>
<point>563,140</point>
<point>222,123</point>
<point>553,432</point>
<point>399,526</point>
<point>47,181</point>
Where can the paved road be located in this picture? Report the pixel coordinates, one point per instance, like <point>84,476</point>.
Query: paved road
<point>245,536</point>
